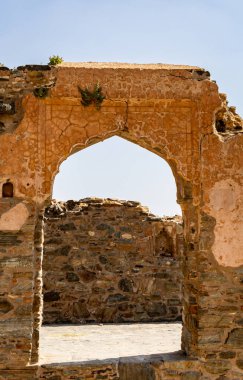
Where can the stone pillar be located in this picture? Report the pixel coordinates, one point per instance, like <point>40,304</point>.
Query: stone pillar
<point>189,278</point>
<point>38,299</point>
<point>17,226</point>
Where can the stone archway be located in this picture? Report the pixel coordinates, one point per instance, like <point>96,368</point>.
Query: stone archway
<point>150,125</point>
<point>183,187</point>
<point>112,309</point>
<point>169,110</point>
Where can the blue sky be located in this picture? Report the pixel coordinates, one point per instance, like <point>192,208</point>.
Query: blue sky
<point>206,33</point>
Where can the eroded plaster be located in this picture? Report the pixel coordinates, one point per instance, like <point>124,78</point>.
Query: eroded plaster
<point>15,218</point>
<point>225,202</point>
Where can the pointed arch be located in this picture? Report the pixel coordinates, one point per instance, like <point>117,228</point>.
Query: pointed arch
<point>118,169</point>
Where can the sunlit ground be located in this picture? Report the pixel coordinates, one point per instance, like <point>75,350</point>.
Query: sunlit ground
<point>82,343</point>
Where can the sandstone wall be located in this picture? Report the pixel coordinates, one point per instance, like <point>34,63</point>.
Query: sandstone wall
<point>110,261</point>
<point>177,113</point>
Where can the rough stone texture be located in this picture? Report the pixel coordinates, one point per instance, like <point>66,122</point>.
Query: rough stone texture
<point>228,122</point>
<point>110,261</point>
<point>14,86</point>
<point>173,366</point>
<point>169,110</point>
<point>18,374</point>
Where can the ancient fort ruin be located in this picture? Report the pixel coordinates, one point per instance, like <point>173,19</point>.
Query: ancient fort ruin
<point>127,260</point>
<point>175,112</point>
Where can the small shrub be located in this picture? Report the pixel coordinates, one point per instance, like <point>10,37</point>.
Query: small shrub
<point>55,60</point>
<point>41,92</point>
<point>95,97</point>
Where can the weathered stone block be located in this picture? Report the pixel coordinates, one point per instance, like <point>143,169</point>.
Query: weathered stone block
<point>9,239</point>
<point>51,296</point>
<point>227,355</point>
<point>67,227</point>
<point>5,306</point>
<point>135,371</point>
<point>235,338</point>
<point>72,277</point>
<point>117,298</point>
<point>126,285</point>
<point>191,375</point>
<point>80,310</point>
<point>157,310</point>
<point>217,366</point>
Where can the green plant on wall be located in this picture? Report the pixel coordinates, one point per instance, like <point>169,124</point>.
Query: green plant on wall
<point>55,60</point>
<point>41,92</point>
<point>95,97</point>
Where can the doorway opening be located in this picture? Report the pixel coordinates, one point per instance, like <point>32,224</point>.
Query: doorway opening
<point>117,168</point>
<point>111,267</point>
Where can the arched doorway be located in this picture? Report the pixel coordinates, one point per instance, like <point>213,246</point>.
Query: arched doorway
<point>181,188</point>
<point>113,261</point>
<point>118,169</point>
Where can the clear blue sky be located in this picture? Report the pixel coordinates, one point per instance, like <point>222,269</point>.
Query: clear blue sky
<point>206,33</point>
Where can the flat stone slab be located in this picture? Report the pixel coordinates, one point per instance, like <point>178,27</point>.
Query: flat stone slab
<point>89,343</point>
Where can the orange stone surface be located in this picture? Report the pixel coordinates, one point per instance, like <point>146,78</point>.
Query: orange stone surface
<point>175,112</point>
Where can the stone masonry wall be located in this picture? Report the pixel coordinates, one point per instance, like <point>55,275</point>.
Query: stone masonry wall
<point>15,85</point>
<point>177,113</point>
<point>110,261</point>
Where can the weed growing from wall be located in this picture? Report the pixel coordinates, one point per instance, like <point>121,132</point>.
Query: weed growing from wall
<point>95,97</point>
<point>55,60</point>
<point>41,92</point>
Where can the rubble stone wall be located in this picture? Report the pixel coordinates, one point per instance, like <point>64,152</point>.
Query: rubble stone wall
<point>110,261</point>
